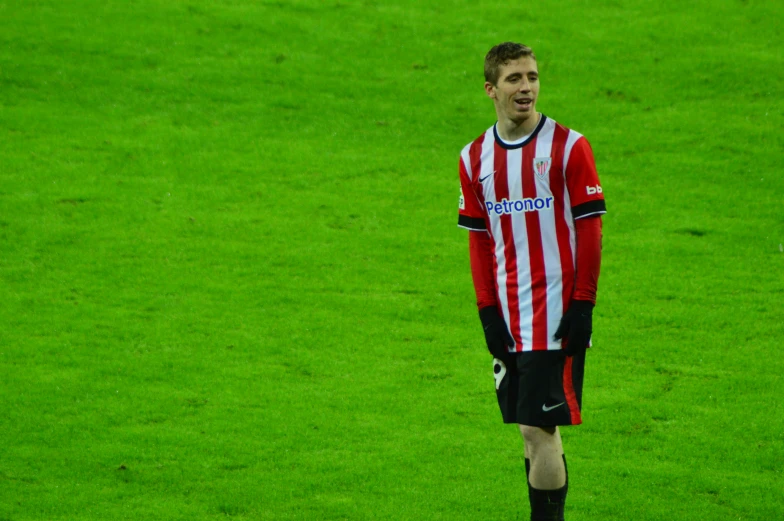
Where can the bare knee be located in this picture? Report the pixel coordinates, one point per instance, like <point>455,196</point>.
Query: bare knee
<point>541,439</point>
<point>535,435</point>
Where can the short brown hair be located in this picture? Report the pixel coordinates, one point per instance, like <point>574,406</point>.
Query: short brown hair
<point>502,54</point>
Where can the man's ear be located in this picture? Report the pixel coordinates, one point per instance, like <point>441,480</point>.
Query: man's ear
<point>490,90</point>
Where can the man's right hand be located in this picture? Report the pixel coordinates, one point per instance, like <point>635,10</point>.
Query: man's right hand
<point>496,333</point>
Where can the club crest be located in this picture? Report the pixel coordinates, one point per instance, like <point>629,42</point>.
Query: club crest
<point>542,167</point>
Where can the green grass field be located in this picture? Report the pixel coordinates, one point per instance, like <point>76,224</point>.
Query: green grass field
<point>233,286</point>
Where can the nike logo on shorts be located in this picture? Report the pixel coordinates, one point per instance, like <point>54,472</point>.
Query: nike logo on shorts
<point>545,408</point>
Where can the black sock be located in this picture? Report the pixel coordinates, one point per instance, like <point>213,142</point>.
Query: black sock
<point>546,505</point>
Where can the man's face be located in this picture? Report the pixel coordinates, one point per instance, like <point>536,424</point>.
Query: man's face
<point>516,91</point>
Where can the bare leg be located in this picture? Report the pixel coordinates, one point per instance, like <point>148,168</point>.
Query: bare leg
<point>544,449</point>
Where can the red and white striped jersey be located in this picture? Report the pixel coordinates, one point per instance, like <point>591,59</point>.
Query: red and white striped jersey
<point>526,195</point>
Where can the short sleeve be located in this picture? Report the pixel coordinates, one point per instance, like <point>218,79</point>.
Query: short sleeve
<point>471,213</point>
<point>582,181</point>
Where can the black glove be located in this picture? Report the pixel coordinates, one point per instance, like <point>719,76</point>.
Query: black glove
<point>576,326</point>
<point>496,333</point>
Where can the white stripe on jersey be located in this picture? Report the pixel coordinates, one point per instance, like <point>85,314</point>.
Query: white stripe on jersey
<point>514,167</point>
<point>552,255</point>
<point>570,141</point>
<point>487,171</point>
<point>487,168</point>
<point>464,155</point>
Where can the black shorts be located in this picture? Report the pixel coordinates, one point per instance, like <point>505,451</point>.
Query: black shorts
<point>540,388</point>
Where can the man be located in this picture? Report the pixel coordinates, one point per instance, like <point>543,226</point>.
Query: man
<point>532,202</point>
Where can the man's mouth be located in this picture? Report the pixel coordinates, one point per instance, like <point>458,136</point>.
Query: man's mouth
<point>523,103</point>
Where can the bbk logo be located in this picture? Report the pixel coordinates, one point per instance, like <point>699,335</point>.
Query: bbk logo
<point>593,190</point>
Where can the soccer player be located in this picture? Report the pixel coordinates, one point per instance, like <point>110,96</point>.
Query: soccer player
<point>532,202</point>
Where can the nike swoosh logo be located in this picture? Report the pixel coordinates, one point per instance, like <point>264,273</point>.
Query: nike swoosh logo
<point>481,179</point>
<point>548,409</point>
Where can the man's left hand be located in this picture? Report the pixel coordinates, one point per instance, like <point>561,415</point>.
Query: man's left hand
<point>576,326</point>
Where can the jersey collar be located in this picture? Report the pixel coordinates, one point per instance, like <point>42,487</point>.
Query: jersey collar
<point>518,144</point>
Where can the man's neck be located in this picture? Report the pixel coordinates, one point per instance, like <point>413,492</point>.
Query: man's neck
<point>512,130</point>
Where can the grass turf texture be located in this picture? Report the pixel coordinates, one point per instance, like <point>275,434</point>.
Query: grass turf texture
<point>233,286</point>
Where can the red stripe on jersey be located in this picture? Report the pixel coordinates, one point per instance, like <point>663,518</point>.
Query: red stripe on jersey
<point>571,396</point>
<point>501,179</point>
<point>535,253</point>
<point>475,155</point>
<point>558,186</point>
